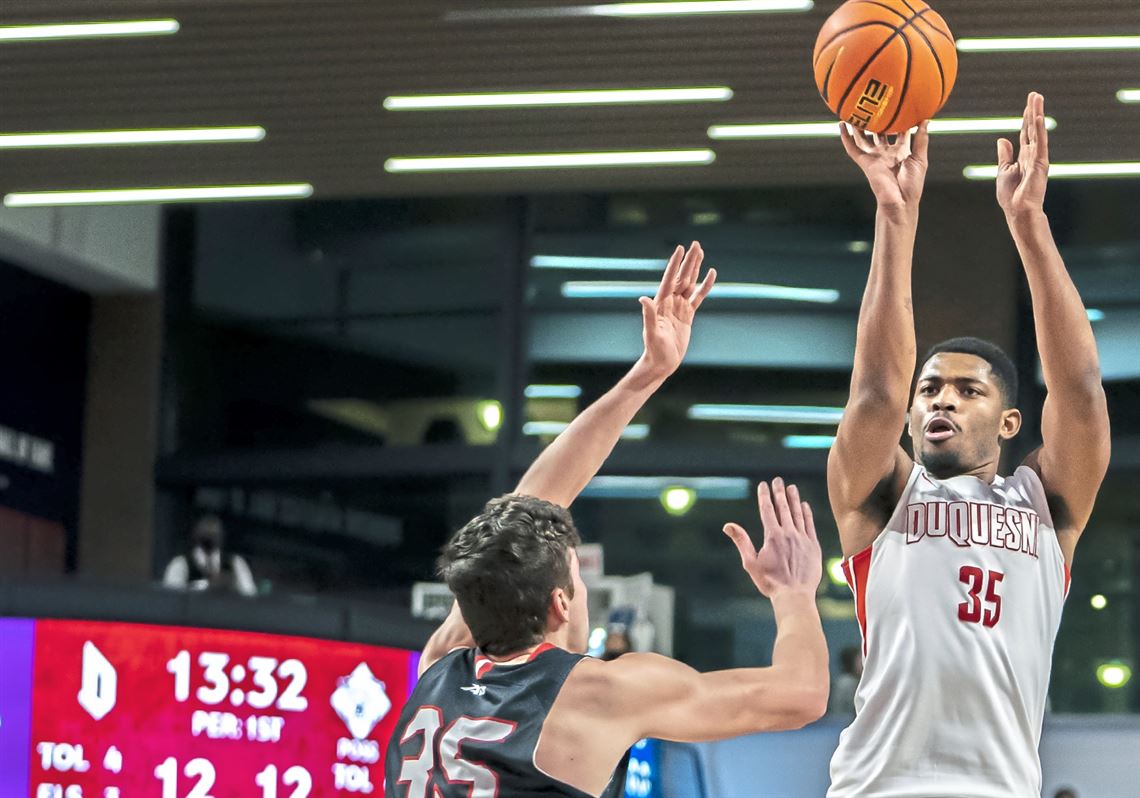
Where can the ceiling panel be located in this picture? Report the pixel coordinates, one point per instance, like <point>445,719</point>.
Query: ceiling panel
<point>315,75</point>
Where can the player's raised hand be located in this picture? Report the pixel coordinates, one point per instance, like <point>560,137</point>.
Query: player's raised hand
<point>896,172</point>
<point>1021,182</point>
<point>668,316</point>
<point>790,558</point>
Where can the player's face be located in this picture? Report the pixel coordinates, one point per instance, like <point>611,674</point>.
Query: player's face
<point>958,419</point>
<point>579,637</point>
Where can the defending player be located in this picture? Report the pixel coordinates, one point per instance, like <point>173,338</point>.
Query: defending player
<point>959,574</point>
<point>508,704</point>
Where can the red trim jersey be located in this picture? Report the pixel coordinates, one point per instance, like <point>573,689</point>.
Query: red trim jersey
<point>958,601</point>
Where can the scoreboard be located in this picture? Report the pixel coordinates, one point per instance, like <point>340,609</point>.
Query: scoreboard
<point>114,710</point>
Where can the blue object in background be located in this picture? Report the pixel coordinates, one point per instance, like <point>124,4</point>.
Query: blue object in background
<point>642,779</point>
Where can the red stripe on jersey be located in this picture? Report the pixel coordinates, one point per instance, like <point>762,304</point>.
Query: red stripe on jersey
<point>483,663</point>
<point>857,569</point>
<point>1068,580</point>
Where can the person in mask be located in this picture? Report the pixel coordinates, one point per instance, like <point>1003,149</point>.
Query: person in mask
<point>207,565</point>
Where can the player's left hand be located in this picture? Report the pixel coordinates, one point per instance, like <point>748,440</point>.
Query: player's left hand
<point>668,317</point>
<point>1021,183</point>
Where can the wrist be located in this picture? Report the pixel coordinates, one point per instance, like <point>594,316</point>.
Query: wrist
<point>646,376</point>
<point>1024,217</point>
<point>898,214</point>
<point>792,599</point>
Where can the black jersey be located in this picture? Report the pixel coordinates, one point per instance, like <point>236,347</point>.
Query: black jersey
<point>470,729</point>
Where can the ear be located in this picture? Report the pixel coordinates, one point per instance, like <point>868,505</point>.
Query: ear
<point>559,608</point>
<point>1010,424</point>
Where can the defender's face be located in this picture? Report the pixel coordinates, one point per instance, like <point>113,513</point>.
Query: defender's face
<point>957,418</point>
<point>579,609</point>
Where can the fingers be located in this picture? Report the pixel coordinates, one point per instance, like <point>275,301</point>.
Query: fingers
<point>1042,130</point>
<point>861,141</point>
<point>1026,121</point>
<point>781,496</point>
<point>809,522</point>
<point>706,286</point>
<point>670,275</point>
<point>796,506</point>
<point>767,509</point>
<point>920,144</point>
<point>848,142</point>
<point>690,268</point>
<point>743,542</point>
<point>648,312</point>
<point>1004,153</point>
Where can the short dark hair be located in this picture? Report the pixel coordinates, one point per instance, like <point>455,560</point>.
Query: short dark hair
<point>1002,367</point>
<point>502,566</point>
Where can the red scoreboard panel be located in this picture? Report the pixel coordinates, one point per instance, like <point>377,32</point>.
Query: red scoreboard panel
<point>112,710</point>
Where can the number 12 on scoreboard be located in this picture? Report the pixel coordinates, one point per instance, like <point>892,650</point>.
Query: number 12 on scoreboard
<point>203,770</point>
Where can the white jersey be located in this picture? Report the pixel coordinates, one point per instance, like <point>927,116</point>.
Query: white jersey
<point>958,601</point>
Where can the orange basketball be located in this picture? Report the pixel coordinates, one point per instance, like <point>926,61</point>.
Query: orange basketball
<point>885,65</point>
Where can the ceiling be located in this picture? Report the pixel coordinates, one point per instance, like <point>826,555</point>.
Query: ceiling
<point>315,74</point>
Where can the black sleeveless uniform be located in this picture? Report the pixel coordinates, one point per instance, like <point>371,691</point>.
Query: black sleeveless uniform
<point>470,729</point>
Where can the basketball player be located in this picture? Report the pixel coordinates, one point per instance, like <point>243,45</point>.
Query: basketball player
<point>959,573</point>
<point>508,704</point>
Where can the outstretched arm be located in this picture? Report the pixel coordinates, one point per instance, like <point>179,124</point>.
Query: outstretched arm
<point>1074,421</point>
<point>866,453</point>
<point>566,465</point>
<point>658,697</point>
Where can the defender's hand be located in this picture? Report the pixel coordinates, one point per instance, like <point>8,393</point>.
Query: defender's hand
<point>1021,183</point>
<point>668,317</point>
<point>790,558</point>
<point>896,172</point>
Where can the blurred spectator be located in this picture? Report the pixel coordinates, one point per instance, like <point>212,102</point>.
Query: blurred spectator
<point>1065,792</point>
<point>617,643</point>
<point>208,566</point>
<point>842,701</point>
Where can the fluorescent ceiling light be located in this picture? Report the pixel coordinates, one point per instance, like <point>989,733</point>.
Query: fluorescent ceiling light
<point>768,414</point>
<point>88,30</point>
<point>808,441</point>
<point>633,432</point>
<point>121,196</point>
<point>1128,95</point>
<point>793,130</point>
<point>1032,43</point>
<point>623,487</point>
<point>1118,169</point>
<point>1095,314</point>
<point>599,264</point>
<point>552,392</point>
<point>106,138</point>
<point>554,160</point>
<point>699,7</point>
<point>617,289</point>
<point>534,99</point>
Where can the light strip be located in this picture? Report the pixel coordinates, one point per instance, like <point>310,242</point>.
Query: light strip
<point>1095,314</point>
<point>106,138</point>
<point>552,392</point>
<point>597,264</point>
<point>699,7</point>
<point>1059,170</point>
<point>808,441</point>
<point>634,432</point>
<point>616,289</point>
<point>794,130</point>
<point>1036,43</point>
<point>121,196</point>
<point>1128,95</point>
<point>769,414</point>
<point>88,30</point>
<point>555,160</point>
<point>629,487</point>
<point>535,99</point>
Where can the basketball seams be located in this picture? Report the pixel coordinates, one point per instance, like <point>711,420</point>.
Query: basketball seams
<point>937,62</point>
<point>906,77</point>
<point>943,33</point>
<point>871,60</point>
<point>856,26</point>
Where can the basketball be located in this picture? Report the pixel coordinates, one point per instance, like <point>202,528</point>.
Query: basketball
<point>885,65</point>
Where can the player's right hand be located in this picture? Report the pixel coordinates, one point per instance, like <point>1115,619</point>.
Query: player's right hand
<point>790,558</point>
<point>896,172</point>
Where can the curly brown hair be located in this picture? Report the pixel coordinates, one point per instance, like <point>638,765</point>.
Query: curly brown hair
<point>502,566</point>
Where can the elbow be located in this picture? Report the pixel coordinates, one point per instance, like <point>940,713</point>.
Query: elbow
<point>802,705</point>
